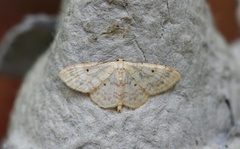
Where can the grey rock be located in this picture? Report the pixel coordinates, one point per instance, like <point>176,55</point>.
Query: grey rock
<point>179,34</point>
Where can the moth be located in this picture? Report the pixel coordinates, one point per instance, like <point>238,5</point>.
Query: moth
<point>119,83</point>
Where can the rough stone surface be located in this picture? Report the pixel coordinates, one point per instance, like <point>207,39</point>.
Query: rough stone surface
<point>234,133</point>
<point>180,34</point>
<point>235,49</point>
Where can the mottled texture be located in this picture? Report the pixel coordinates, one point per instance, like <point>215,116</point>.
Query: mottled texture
<point>176,33</point>
<point>234,133</point>
<point>114,84</point>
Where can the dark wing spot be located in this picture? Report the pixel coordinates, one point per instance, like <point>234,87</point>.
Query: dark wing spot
<point>152,71</point>
<point>87,70</point>
<point>117,59</point>
<point>104,84</point>
<point>135,84</point>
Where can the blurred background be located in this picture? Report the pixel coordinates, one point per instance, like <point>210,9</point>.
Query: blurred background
<point>36,31</point>
<point>25,48</point>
